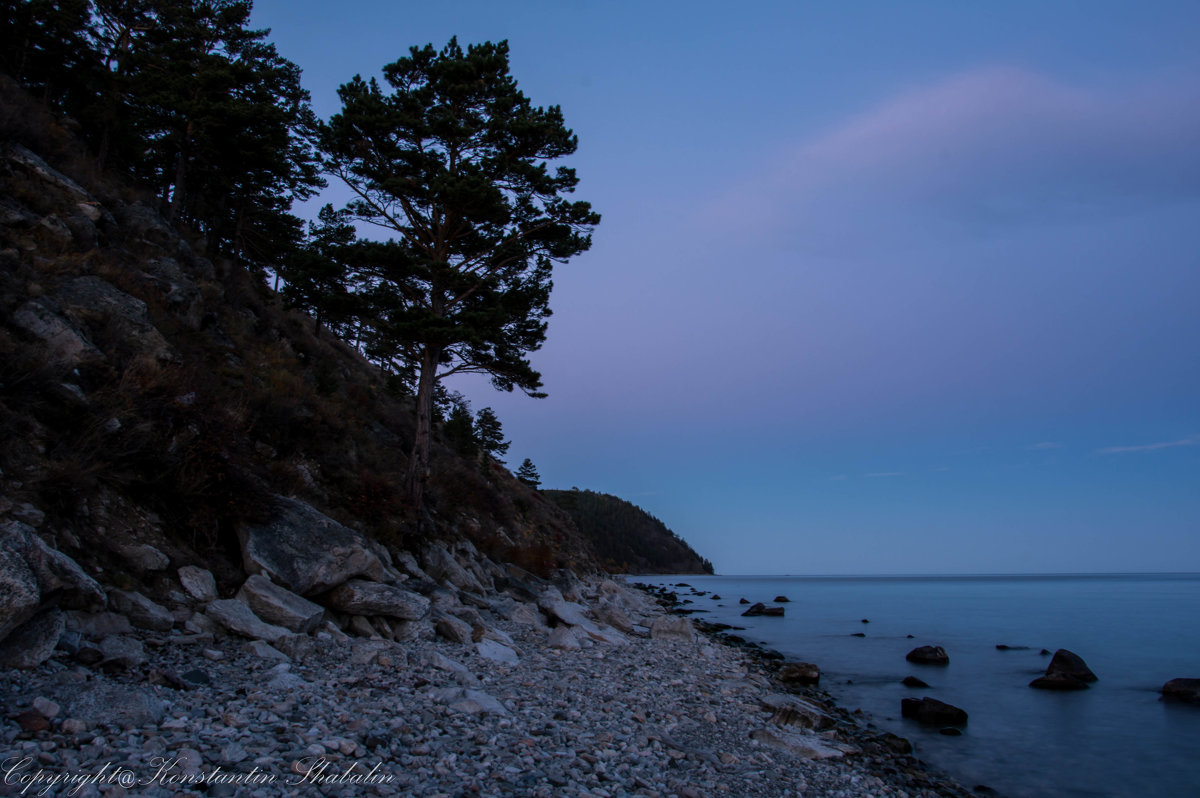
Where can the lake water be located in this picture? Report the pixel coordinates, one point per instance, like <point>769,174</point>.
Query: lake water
<point>1115,739</point>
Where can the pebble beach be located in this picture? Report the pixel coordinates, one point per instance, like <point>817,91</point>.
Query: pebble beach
<point>534,707</point>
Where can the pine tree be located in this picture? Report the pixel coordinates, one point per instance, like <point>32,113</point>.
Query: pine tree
<point>528,474</point>
<point>453,164</point>
<point>489,435</point>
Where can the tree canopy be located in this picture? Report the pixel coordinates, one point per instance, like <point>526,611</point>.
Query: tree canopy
<point>452,163</point>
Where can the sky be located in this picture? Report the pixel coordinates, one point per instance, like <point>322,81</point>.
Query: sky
<point>879,288</point>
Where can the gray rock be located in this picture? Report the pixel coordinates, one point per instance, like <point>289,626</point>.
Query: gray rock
<point>1186,690</point>
<point>361,626</point>
<point>32,574</point>
<point>375,598</point>
<point>93,298</point>
<point>614,616</point>
<point>469,702</point>
<point>410,631</point>
<point>264,650</point>
<point>442,566</point>
<point>32,643</point>
<point>118,652</point>
<point>789,710</point>
<point>804,673</point>
<point>280,606</point>
<point>672,627</point>
<point>143,613</point>
<point>497,652</point>
<point>564,637</point>
<point>366,652</point>
<point>566,611</point>
<point>144,557</point>
<point>305,551</point>
<point>451,628</point>
<point>117,704</point>
<point>198,583</point>
<point>63,343</point>
<point>237,617</point>
<point>805,746</point>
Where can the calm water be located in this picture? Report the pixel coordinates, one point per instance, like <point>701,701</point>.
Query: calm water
<point>1115,739</point>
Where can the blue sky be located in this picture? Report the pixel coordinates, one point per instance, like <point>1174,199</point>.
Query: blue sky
<point>880,287</point>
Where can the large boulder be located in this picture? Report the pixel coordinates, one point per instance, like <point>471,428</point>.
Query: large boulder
<point>236,616</point>
<point>1182,690</point>
<point>441,565</point>
<point>788,710</point>
<point>928,655</point>
<point>32,643</point>
<point>198,582</point>
<point>672,627</point>
<point>306,551</point>
<point>33,574</point>
<point>93,301</point>
<point>360,597</point>
<point>280,606</point>
<point>931,712</point>
<point>804,673</point>
<point>142,612</point>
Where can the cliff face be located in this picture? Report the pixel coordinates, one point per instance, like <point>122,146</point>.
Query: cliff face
<point>152,396</point>
<point>626,538</point>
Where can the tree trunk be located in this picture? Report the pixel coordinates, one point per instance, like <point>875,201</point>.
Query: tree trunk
<point>418,463</point>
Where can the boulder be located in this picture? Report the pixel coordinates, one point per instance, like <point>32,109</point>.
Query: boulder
<point>1071,664</point>
<point>280,606</point>
<point>468,701</point>
<point>782,599</point>
<point>141,611</point>
<point>451,628</point>
<point>1187,690</point>
<point>805,746</point>
<point>93,299</point>
<point>496,652</point>
<point>614,616</point>
<point>672,627</point>
<point>788,710</point>
<point>441,565</point>
<point>931,712</point>
<point>32,643</point>
<point>123,705</point>
<point>564,637</point>
<point>237,617</point>
<point>143,557</point>
<point>361,597</point>
<point>913,681</point>
<point>33,574</point>
<point>1058,681</point>
<point>928,655</point>
<point>568,612</point>
<point>118,652</point>
<point>762,609</point>
<point>798,673</point>
<point>198,583</point>
<point>62,342</point>
<point>305,551</point>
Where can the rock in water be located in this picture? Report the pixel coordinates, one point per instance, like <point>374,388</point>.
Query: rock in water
<point>928,655</point>
<point>1182,690</point>
<point>913,681</point>
<point>931,712</point>
<point>1070,663</point>
<point>1067,671</point>
<point>799,673</point>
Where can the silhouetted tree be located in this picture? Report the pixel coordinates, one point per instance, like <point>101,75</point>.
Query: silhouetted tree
<point>452,163</point>
<point>489,435</point>
<point>528,474</point>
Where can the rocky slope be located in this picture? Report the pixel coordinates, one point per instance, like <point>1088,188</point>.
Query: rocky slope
<point>626,538</point>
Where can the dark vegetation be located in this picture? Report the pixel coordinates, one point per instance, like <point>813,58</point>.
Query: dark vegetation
<point>191,138</point>
<point>626,538</point>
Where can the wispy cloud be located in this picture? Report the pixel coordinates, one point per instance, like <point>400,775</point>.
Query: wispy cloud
<point>1191,440</point>
<point>1045,446</point>
<point>885,474</point>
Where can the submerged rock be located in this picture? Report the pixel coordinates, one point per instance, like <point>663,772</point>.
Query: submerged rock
<point>913,681</point>
<point>931,712</point>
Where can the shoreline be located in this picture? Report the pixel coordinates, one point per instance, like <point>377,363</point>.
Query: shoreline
<point>585,710</point>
